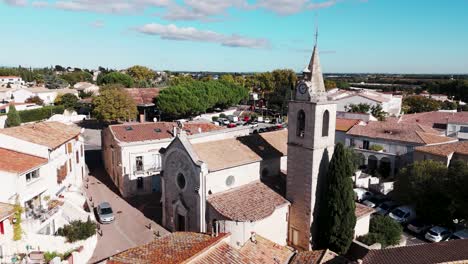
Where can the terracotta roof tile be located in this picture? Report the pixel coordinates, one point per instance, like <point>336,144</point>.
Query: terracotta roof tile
<point>442,252</point>
<point>143,96</point>
<point>250,202</point>
<point>431,118</point>
<point>343,124</point>
<point>308,257</point>
<point>155,131</point>
<point>49,134</point>
<point>173,248</point>
<point>233,152</point>
<point>362,210</point>
<point>265,251</point>
<point>6,210</point>
<point>446,149</point>
<point>16,162</point>
<point>390,130</point>
<point>223,253</point>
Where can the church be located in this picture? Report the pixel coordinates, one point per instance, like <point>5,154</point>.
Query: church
<point>266,184</point>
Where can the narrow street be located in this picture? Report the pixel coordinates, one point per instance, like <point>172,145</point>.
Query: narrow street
<point>131,227</point>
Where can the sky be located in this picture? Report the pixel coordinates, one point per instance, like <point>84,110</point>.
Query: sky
<point>355,36</point>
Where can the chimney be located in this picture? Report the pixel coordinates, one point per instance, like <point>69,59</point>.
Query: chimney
<point>174,131</point>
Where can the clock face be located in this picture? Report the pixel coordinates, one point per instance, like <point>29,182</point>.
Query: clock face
<point>302,88</point>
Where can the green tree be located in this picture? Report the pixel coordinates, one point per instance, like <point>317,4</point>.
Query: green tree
<point>383,230</point>
<point>458,189</point>
<point>141,73</point>
<point>283,82</point>
<point>425,181</point>
<point>13,118</point>
<point>378,112</point>
<point>418,104</point>
<point>358,108</point>
<point>329,84</point>
<point>78,76</point>
<point>337,213</point>
<point>116,78</point>
<point>35,100</point>
<point>227,78</point>
<point>69,101</point>
<point>114,104</point>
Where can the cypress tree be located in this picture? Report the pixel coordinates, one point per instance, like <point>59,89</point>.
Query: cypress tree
<point>337,212</point>
<point>13,118</point>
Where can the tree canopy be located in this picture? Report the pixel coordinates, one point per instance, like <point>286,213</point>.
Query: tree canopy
<point>35,100</point>
<point>115,78</point>
<point>13,118</point>
<point>418,104</point>
<point>337,217</point>
<point>114,104</point>
<point>69,101</point>
<point>383,230</point>
<point>374,110</point>
<point>141,73</point>
<point>193,97</point>
<point>446,188</point>
<point>77,76</point>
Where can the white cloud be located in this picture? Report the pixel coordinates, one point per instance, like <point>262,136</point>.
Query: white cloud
<point>16,2</point>
<point>173,32</point>
<point>289,7</point>
<point>40,4</point>
<point>110,6</point>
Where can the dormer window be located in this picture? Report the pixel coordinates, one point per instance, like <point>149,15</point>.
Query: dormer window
<point>300,124</point>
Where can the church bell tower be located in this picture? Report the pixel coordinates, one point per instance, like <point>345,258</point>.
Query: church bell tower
<point>311,141</point>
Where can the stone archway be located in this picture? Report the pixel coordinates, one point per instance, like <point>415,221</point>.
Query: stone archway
<point>372,163</point>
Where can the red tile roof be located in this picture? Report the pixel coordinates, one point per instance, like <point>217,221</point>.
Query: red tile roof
<point>343,124</point>
<point>156,131</point>
<point>362,210</point>
<point>49,134</point>
<point>250,202</point>
<point>226,153</point>
<point>308,257</point>
<point>263,251</point>
<point>174,248</point>
<point>431,118</point>
<point>143,96</point>
<point>454,251</point>
<point>445,150</point>
<point>404,132</point>
<point>16,162</point>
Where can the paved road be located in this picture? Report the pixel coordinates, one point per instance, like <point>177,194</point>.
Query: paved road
<point>130,228</point>
<point>412,240</point>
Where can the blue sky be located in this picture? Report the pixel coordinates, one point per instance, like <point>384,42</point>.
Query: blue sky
<point>385,36</point>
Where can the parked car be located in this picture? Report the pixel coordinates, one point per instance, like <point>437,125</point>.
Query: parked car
<point>231,125</point>
<point>105,213</point>
<point>386,207</point>
<point>403,214</point>
<point>267,120</point>
<point>224,121</point>
<point>216,123</point>
<point>418,226</point>
<point>375,201</point>
<point>233,118</point>
<point>252,125</point>
<point>461,234</point>
<point>362,194</point>
<point>437,234</point>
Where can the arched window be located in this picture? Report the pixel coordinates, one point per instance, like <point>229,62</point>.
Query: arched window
<point>300,123</point>
<point>325,123</point>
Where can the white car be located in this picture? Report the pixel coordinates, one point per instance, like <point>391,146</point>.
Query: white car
<point>437,234</point>
<point>461,234</point>
<point>403,214</point>
<point>224,121</point>
<point>362,194</point>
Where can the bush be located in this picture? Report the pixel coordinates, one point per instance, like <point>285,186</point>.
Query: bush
<point>383,230</point>
<point>78,230</point>
<point>376,147</point>
<point>371,238</point>
<point>222,115</point>
<point>40,113</point>
<point>215,118</point>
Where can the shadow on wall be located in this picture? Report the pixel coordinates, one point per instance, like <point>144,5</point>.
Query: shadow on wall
<point>319,196</point>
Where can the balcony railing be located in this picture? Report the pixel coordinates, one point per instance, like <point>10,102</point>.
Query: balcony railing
<point>147,170</point>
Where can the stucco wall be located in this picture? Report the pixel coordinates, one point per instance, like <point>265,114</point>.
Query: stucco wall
<point>362,226</point>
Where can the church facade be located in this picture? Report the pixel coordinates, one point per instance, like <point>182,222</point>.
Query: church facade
<point>267,184</point>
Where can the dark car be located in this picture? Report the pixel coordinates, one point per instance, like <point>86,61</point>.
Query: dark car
<point>418,226</point>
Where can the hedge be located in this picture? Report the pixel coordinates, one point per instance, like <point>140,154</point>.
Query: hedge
<point>78,230</point>
<point>40,113</point>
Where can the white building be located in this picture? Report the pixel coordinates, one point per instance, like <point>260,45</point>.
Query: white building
<point>87,87</point>
<point>343,98</point>
<point>5,108</point>
<point>131,151</point>
<point>39,162</point>
<point>11,80</point>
